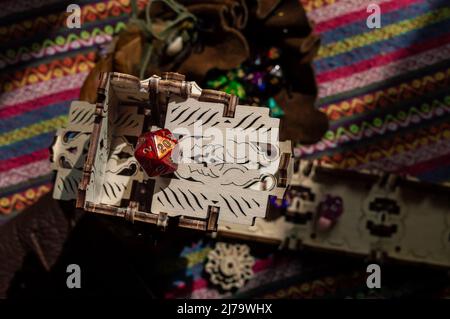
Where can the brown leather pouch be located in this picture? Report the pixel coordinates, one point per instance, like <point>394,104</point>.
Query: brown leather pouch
<point>228,32</point>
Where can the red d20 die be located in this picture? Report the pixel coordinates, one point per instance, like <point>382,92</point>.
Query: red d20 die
<point>154,150</point>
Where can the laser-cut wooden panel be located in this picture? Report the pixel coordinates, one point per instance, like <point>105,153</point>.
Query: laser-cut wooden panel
<point>401,219</point>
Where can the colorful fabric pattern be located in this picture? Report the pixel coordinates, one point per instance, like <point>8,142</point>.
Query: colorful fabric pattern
<point>43,65</point>
<point>385,91</point>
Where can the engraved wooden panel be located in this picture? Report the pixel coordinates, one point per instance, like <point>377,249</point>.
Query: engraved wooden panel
<point>94,190</point>
<point>236,181</point>
<point>70,148</point>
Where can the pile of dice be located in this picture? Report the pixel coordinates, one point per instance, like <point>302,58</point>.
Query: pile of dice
<point>255,82</point>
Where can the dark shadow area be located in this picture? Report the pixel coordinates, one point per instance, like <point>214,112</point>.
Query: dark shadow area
<point>115,258</point>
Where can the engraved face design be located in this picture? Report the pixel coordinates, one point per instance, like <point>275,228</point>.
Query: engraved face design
<point>382,217</point>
